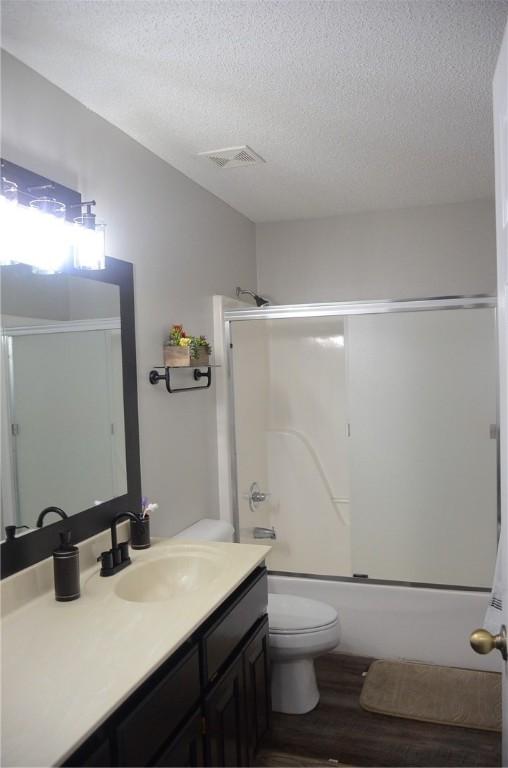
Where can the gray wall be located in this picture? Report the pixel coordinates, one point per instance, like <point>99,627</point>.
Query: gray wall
<point>412,252</point>
<point>185,244</point>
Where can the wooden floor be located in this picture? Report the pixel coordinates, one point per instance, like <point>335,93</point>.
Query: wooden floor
<point>339,732</point>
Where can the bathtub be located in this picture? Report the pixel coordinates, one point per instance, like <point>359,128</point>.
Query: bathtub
<point>397,622</point>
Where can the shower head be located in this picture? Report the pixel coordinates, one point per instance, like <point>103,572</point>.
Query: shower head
<point>260,301</point>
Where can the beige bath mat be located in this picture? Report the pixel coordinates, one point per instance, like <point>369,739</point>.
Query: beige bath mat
<point>434,694</point>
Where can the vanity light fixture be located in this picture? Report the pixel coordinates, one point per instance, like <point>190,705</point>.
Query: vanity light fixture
<point>89,250</point>
<point>39,235</point>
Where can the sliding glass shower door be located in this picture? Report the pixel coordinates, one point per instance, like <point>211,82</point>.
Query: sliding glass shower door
<point>374,438</point>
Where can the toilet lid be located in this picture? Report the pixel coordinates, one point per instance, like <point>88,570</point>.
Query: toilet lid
<point>290,614</point>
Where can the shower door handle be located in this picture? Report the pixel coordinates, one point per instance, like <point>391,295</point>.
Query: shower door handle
<point>483,642</point>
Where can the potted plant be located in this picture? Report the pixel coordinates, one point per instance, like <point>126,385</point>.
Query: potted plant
<point>182,350</point>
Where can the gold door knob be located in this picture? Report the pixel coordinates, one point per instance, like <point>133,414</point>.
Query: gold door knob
<point>483,642</point>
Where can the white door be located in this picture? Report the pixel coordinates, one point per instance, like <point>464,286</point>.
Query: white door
<point>501,158</point>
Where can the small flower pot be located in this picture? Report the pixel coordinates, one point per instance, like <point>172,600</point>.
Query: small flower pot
<point>202,359</point>
<point>180,357</point>
<point>140,533</point>
<point>176,357</point>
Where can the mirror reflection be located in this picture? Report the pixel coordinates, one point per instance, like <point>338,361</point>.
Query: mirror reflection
<point>63,436</point>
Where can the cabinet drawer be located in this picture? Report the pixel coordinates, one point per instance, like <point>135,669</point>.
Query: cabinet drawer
<point>151,723</point>
<point>221,639</point>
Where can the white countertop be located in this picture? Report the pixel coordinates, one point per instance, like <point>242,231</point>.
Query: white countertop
<point>67,666</point>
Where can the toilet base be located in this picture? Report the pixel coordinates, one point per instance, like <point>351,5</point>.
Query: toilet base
<point>294,686</point>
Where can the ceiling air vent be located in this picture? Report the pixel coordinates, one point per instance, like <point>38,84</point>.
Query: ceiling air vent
<point>233,157</point>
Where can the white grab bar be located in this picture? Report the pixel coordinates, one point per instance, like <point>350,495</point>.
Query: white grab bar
<point>336,500</point>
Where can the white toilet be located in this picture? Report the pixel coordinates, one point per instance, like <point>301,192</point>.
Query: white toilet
<point>300,630</point>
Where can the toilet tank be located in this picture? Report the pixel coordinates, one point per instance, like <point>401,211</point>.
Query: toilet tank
<point>208,530</point>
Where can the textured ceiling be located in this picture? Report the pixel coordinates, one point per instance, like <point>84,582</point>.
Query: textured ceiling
<point>354,104</point>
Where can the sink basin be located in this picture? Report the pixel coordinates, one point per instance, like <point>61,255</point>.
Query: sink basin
<point>173,575</point>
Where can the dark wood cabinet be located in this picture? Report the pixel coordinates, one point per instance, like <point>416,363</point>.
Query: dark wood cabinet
<point>208,705</point>
<point>187,748</point>
<point>95,753</point>
<point>258,698</point>
<point>226,719</point>
<point>159,712</point>
<point>222,637</point>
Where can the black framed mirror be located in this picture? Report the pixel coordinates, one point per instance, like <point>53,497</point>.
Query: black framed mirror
<point>69,396</point>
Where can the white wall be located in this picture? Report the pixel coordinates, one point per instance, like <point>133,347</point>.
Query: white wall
<point>186,245</point>
<point>406,253</point>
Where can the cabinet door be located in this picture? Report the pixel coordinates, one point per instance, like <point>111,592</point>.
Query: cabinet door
<point>186,749</point>
<point>95,753</point>
<point>142,733</point>
<point>257,688</point>
<point>226,737</point>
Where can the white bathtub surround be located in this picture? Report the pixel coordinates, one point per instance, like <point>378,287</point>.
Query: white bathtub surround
<point>93,646</point>
<point>392,622</point>
<point>292,438</point>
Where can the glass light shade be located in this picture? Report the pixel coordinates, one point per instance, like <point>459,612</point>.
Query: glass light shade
<point>53,247</point>
<point>29,236</point>
<point>49,205</point>
<point>9,189</point>
<point>89,246</point>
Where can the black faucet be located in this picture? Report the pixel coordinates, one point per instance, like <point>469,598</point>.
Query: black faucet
<point>116,558</point>
<point>46,511</point>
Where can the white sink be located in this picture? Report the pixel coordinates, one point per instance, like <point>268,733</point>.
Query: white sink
<point>177,573</point>
<point>161,573</point>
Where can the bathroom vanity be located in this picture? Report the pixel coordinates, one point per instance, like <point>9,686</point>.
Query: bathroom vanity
<point>140,673</point>
<point>209,704</point>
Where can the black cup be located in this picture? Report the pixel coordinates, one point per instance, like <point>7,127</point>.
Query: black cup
<point>140,533</point>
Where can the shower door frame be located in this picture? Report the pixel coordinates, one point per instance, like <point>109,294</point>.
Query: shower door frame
<point>338,309</point>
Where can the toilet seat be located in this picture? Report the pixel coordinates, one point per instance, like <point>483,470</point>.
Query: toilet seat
<point>293,615</point>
